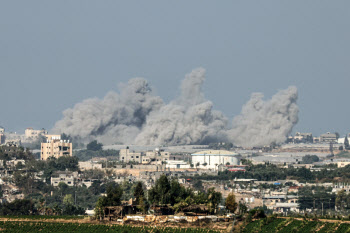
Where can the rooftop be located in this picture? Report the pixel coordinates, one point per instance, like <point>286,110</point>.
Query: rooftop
<point>215,152</point>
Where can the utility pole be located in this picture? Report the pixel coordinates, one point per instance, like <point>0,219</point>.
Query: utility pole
<point>322,208</point>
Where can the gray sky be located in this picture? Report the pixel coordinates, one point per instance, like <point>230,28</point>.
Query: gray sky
<point>54,54</point>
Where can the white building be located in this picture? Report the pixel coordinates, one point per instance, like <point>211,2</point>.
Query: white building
<point>64,178</point>
<point>177,164</point>
<point>210,159</point>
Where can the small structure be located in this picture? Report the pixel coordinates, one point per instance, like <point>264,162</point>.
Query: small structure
<point>162,209</point>
<point>117,212</point>
<point>196,210</point>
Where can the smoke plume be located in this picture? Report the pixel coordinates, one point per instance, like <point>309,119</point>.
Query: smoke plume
<point>136,116</point>
<point>116,118</point>
<point>264,122</point>
<point>187,120</point>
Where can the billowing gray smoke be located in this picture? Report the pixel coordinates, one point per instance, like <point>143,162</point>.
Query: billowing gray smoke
<point>116,118</point>
<point>137,116</point>
<point>264,122</point>
<point>186,120</point>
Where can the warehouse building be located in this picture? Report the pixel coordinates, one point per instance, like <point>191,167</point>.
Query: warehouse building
<point>211,159</point>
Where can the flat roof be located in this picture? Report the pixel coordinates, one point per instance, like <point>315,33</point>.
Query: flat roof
<point>215,152</point>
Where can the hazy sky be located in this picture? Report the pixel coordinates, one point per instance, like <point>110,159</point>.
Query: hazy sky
<point>54,54</point>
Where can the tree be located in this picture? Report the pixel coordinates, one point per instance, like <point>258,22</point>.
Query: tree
<point>18,207</point>
<point>139,193</point>
<point>242,208</point>
<point>346,143</point>
<point>160,192</point>
<point>94,146</point>
<point>99,208</point>
<point>305,174</point>
<point>331,148</point>
<point>309,159</point>
<point>340,200</point>
<point>336,135</point>
<point>214,199</point>
<point>68,199</point>
<point>198,185</point>
<point>230,202</point>
<point>114,194</point>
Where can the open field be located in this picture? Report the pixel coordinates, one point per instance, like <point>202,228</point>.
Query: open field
<point>285,225</point>
<point>84,224</point>
<point>36,226</point>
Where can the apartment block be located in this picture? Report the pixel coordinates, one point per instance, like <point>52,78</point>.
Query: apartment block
<point>56,148</point>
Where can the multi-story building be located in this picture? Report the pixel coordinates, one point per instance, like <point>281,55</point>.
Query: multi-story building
<point>328,137</point>
<point>31,133</point>
<point>55,147</point>
<point>157,155</point>
<point>126,156</point>
<point>303,137</point>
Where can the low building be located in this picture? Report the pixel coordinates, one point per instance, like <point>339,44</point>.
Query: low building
<point>177,164</point>
<point>86,182</point>
<point>343,163</point>
<point>89,165</point>
<point>62,178</point>
<point>286,207</point>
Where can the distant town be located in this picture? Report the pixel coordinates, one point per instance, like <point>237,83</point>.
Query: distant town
<point>305,175</point>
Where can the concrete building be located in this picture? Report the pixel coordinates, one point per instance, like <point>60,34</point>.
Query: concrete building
<point>89,165</point>
<point>64,178</point>
<point>210,159</point>
<point>32,134</point>
<point>343,163</point>
<point>328,137</point>
<point>156,155</point>
<point>177,164</point>
<point>303,137</point>
<point>126,156</point>
<point>56,148</point>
